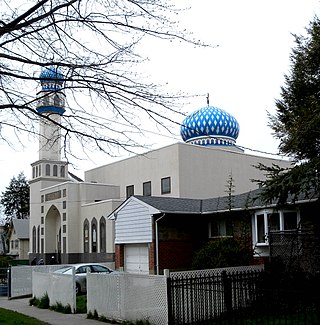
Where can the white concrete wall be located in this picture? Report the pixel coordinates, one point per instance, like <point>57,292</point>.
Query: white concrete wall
<point>205,171</point>
<point>97,210</point>
<point>195,171</point>
<point>136,170</point>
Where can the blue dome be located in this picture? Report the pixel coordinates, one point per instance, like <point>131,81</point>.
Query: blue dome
<point>210,126</point>
<point>51,78</point>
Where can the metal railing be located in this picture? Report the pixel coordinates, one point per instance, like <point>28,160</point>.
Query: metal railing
<point>244,297</point>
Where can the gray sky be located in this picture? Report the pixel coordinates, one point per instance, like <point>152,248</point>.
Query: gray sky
<point>243,74</point>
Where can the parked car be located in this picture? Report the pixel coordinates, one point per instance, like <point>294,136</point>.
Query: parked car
<point>81,273</point>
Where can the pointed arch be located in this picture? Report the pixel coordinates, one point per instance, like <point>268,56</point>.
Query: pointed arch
<point>86,236</point>
<point>34,243</point>
<point>102,228</point>
<point>38,239</point>
<point>94,235</point>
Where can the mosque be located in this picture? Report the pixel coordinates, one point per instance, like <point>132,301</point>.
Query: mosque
<point>73,221</point>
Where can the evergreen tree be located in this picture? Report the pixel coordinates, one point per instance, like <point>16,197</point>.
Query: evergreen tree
<point>297,122</point>
<point>15,199</point>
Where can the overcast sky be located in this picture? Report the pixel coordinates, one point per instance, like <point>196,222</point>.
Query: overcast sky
<point>243,75</point>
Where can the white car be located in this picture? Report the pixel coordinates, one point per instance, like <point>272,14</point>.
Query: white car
<point>81,273</point>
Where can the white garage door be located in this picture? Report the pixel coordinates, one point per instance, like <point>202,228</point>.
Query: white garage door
<point>136,258</point>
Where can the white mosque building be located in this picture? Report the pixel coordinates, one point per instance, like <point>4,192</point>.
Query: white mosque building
<point>69,217</point>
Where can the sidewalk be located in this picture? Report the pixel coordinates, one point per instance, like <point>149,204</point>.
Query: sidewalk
<point>46,315</point>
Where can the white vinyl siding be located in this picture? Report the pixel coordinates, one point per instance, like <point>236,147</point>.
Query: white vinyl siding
<point>133,224</point>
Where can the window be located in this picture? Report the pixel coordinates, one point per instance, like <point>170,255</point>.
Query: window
<point>55,170</point>
<point>147,188</point>
<point>42,208</point>
<point>268,220</point>
<point>165,185</point>
<point>47,170</point>
<point>64,244</point>
<point>64,229</point>
<point>42,220</point>
<point>64,192</point>
<point>38,240</point>
<point>62,171</point>
<point>33,172</point>
<point>86,236</point>
<point>64,216</point>
<point>64,204</point>
<point>129,190</point>
<point>220,228</point>
<point>42,198</point>
<point>94,235</point>
<point>102,235</point>
<point>34,242</point>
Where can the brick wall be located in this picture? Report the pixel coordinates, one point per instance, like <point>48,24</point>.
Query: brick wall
<point>175,254</point>
<point>119,256</point>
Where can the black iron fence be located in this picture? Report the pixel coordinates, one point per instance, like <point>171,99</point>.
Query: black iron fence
<point>249,297</point>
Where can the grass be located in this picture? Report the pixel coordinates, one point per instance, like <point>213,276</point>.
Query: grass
<point>9,317</point>
<point>81,304</point>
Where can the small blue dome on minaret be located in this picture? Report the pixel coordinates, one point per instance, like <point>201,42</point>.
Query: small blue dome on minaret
<point>51,78</point>
<point>51,98</point>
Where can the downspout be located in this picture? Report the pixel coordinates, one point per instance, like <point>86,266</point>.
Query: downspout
<point>157,243</point>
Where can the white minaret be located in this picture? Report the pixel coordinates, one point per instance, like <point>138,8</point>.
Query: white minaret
<point>50,104</point>
<point>49,170</point>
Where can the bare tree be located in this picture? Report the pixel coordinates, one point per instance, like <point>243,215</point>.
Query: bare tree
<point>94,45</point>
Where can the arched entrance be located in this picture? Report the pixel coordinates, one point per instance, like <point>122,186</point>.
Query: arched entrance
<point>53,235</point>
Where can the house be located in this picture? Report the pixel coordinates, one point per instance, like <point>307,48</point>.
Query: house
<point>157,233</point>
<point>68,216</point>
<point>19,239</point>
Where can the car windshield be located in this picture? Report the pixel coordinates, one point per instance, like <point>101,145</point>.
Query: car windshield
<point>67,269</point>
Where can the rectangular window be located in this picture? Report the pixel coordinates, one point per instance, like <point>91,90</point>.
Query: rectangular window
<point>64,244</point>
<point>42,231</point>
<point>64,204</point>
<point>268,220</point>
<point>130,190</point>
<point>165,185</point>
<point>147,188</point>
<point>64,216</point>
<point>64,229</point>
<point>273,221</point>
<point>42,208</point>
<point>42,198</point>
<point>42,220</point>
<point>64,192</point>
<point>220,228</point>
<point>261,232</point>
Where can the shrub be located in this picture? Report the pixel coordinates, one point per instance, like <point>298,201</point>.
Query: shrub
<point>44,302</point>
<point>223,252</point>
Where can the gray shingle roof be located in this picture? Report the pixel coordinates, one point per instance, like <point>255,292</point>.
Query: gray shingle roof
<point>197,206</point>
<point>21,227</point>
